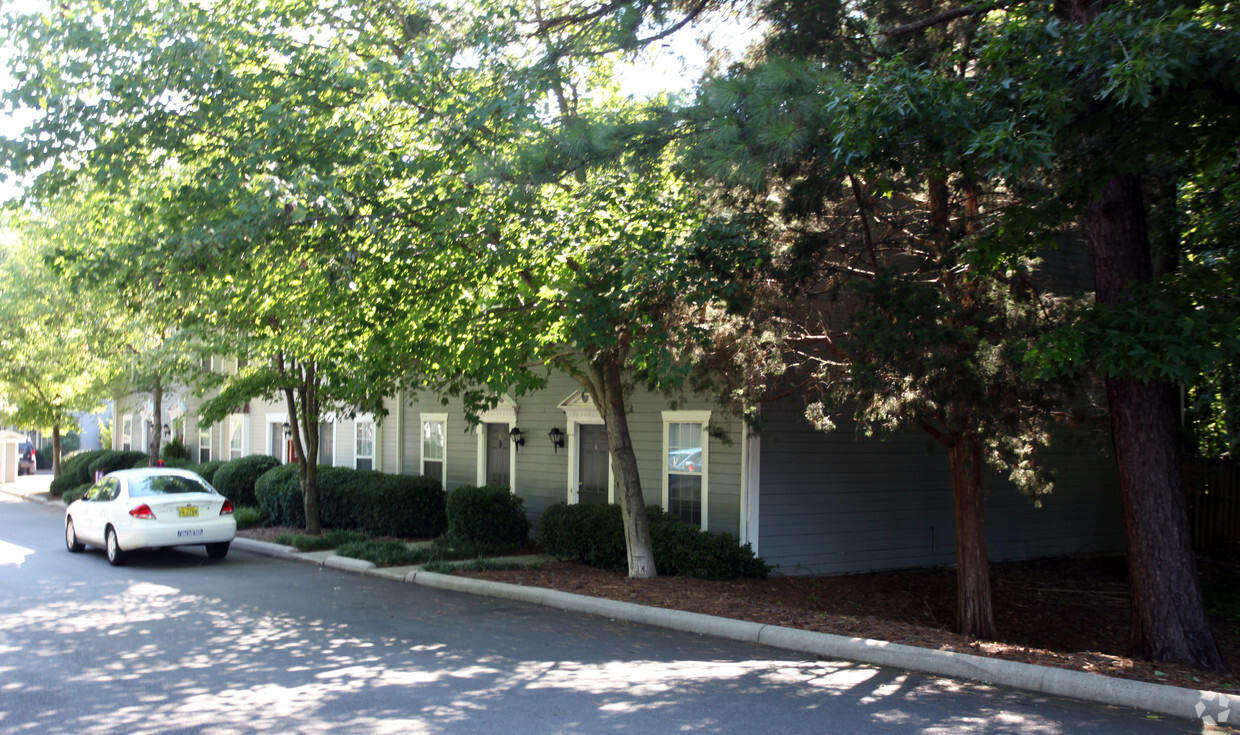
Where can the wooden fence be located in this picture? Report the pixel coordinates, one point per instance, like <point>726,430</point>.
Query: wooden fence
<point>1213,488</point>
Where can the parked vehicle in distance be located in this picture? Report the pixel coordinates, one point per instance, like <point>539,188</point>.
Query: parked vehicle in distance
<point>25,459</point>
<point>150,508</point>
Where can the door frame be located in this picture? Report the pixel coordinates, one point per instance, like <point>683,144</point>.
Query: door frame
<point>505,413</point>
<point>579,409</point>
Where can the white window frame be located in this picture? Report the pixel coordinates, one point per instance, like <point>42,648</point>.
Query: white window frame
<point>505,413</point>
<point>330,424</point>
<point>580,409</point>
<point>374,441</point>
<point>238,426</point>
<point>423,420</point>
<point>687,417</point>
<point>126,433</point>
<point>278,420</point>
<point>204,442</point>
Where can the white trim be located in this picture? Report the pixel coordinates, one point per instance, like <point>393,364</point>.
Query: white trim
<point>366,418</point>
<point>751,482</point>
<point>580,410</point>
<point>504,413</point>
<point>237,419</point>
<point>688,417</point>
<point>423,420</point>
<point>278,420</point>
<point>126,433</point>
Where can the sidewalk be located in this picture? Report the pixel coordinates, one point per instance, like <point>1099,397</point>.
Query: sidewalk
<point>1207,707</point>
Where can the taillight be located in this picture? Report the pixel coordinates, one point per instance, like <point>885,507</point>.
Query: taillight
<point>144,512</point>
<point>226,509</point>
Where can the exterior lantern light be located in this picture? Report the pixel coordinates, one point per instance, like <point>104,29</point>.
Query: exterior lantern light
<point>518,437</point>
<point>167,432</point>
<point>557,438</point>
<point>288,430</point>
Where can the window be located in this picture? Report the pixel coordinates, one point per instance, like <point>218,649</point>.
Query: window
<point>277,442</point>
<point>204,445</point>
<point>684,477</point>
<point>365,444</point>
<point>434,446</point>
<point>327,443</point>
<point>235,439</point>
<point>126,433</point>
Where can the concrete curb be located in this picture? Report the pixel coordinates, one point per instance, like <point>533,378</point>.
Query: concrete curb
<point>1207,707</point>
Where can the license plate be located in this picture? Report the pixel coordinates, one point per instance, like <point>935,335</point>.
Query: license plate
<point>189,511</point>
<point>189,534</point>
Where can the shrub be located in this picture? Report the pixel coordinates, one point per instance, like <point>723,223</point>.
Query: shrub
<point>111,460</point>
<point>207,470</point>
<point>595,535</point>
<point>75,471</point>
<point>236,479</point>
<point>490,517</point>
<point>389,505</point>
<point>278,494</point>
<point>248,517</point>
<point>335,508</point>
<point>592,533</point>
<point>175,449</point>
<point>74,494</point>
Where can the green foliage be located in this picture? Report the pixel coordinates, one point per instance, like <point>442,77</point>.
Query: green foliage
<point>278,492</point>
<point>488,516</point>
<point>207,470</point>
<point>236,479</point>
<point>111,460</point>
<point>595,535</point>
<point>75,494</point>
<point>248,517</point>
<point>380,553</point>
<point>387,505</point>
<point>323,542</point>
<point>75,471</point>
<point>175,449</point>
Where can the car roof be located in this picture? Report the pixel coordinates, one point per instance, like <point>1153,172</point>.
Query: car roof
<point>140,472</point>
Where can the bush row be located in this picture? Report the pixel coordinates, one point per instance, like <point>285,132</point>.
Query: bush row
<point>362,500</point>
<point>594,534</point>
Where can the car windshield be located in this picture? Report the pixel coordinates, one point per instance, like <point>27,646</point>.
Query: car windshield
<point>166,485</point>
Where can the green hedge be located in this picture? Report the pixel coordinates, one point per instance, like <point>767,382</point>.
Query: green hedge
<point>362,500</point>
<point>207,470</point>
<point>236,479</point>
<point>75,471</point>
<point>595,535</point>
<point>487,517</point>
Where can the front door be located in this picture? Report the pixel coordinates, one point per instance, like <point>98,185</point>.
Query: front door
<point>499,445</point>
<point>592,464</point>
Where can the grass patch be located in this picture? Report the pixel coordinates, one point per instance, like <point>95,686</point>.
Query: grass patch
<point>329,540</point>
<point>247,517</point>
<point>479,565</point>
<point>379,553</point>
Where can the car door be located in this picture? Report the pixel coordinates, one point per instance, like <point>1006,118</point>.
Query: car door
<point>92,517</point>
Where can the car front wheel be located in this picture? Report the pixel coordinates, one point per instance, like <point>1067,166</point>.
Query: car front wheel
<point>71,541</point>
<point>117,556</point>
<point>217,551</point>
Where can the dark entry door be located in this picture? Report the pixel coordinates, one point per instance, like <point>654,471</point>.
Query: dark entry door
<point>592,464</point>
<point>498,446</point>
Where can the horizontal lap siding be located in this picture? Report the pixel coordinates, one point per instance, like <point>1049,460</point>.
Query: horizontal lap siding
<point>846,503</point>
<point>542,470</point>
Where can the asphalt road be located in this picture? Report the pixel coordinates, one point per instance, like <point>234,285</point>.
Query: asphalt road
<point>177,643</point>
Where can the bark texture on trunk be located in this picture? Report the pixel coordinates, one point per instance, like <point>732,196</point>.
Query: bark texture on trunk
<point>56,449</point>
<point>974,610</point>
<point>624,460</point>
<point>1168,621</point>
<point>157,422</point>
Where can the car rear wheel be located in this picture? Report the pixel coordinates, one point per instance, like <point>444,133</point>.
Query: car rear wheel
<point>71,541</point>
<point>218,551</point>
<point>117,556</point>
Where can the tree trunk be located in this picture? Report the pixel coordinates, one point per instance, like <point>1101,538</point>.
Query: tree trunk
<point>56,450</point>
<point>624,461</point>
<point>974,611</point>
<point>308,471</point>
<point>1169,620</point>
<point>157,422</point>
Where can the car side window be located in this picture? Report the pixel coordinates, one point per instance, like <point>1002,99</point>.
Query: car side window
<point>104,491</point>
<point>93,493</point>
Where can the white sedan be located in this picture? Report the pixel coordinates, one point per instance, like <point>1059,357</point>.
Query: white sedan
<point>150,508</point>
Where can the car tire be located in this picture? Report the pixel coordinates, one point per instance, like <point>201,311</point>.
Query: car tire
<point>117,556</point>
<point>218,551</point>
<point>71,540</point>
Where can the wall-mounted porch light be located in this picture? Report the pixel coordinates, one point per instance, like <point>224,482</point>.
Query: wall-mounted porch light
<point>557,438</point>
<point>517,437</point>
